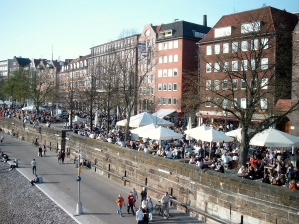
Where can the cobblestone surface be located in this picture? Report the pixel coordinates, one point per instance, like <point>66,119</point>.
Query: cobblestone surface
<point>22,203</point>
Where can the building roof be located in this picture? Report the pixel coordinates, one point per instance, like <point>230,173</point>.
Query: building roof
<point>81,58</point>
<point>23,61</point>
<point>183,29</point>
<point>271,18</point>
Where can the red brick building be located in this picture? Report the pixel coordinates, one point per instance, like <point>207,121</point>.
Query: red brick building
<point>243,58</point>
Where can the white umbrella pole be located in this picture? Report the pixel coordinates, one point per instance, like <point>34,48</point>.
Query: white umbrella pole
<point>292,150</point>
<point>210,150</point>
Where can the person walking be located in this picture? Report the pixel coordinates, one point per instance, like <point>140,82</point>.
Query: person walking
<point>165,200</point>
<point>150,207</point>
<point>143,194</point>
<point>62,156</point>
<point>120,202</point>
<point>40,151</point>
<point>2,138</point>
<point>59,157</point>
<point>139,216</point>
<point>44,150</point>
<point>135,195</point>
<point>130,203</point>
<point>33,164</point>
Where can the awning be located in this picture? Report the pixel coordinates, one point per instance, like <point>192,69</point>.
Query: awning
<point>163,112</point>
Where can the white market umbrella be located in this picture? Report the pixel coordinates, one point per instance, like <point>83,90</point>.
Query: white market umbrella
<point>143,129</point>
<point>32,107</point>
<point>274,138</point>
<point>197,132</point>
<point>160,133</point>
<point>143,119</point>
<point>213,135</point>
<point>7,102</point>
<point>237,133</point>
<point>189,127</point>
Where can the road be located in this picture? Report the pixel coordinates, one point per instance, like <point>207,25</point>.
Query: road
<point>97,193</point>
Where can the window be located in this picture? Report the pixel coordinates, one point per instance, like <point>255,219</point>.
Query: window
<point>264,63</point>
<point>174,101</point>
<point>253,83</point>
<point>165,59</point>
<point>235,65</point>
<point>160,46</point>
<point>264,43</point>
<point>159,101</point>
<point>234,103</point>
<point>224,84</point>
<point>208,84</point>
<point>159,87</point>
<point>169,101</point>
<point>224,103</point>
<point>235,47</point>
<point>175,87</point>
<point>164,100</point>
<point>175,44</point>
<point>160,60</point>
<point>217,48</point>
<point>216,67</point>
<point>164,87</point>
<point>252,64</point>
<point>225,66</point>
<point>164,72</point>
<point>244,65</point>
<point>234,84</point>
<point>175,58</point>
<point>243,103</point>
<point>208,102</point>
<point>164,46</point>
<point>215,102</point>
<point>250,27</point>
<point>175,72</point>
<point>264,83</point>
<point>170,45</point>
<point>208,68</point>
<point>264,104</point>
<point>254,44</point>
<point>222,32</point>
<point>243,84</point>
<point>244,45</point>
<point>169,86</point>
<point>225,48</point>
<point>209,50</point>
<point>169,72</point>
<point>160,73</point>
<point>216,84</point>
<point>170,58</point>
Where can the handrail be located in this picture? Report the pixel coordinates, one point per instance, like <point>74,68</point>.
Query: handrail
<point>172,199</point>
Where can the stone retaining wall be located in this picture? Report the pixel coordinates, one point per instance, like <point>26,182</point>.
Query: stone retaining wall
<point>226,197</point>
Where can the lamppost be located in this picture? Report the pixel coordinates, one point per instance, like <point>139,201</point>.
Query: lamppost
<point>79,204</point>
<point>225,120</point>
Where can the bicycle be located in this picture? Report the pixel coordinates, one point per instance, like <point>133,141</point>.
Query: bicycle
<point>160,209</point>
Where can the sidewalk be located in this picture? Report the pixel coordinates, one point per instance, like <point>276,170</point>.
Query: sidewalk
<point>97,193</point>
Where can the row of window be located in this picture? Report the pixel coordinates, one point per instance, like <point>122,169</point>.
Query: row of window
<point>235,65</point>
<point>168,87</point>
<point>215,101</point>
<point>74,65</point>
<point>225,84</point>
<point>245,28</point>
<point>167,101</point>
<point>168,72</point>
<point>115,45</point>
<point>168,59</point>
<point>168,45</point>
<point>254,45</point>
<point>146,91</point>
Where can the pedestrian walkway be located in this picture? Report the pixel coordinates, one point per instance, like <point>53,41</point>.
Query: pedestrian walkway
<point>97,193</point>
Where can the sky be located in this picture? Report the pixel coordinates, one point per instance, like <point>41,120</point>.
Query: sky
<point>32,28</point>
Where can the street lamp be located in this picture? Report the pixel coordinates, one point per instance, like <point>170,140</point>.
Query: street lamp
<point>79,204</point>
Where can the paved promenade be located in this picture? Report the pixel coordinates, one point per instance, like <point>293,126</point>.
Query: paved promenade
<point>98,193</point>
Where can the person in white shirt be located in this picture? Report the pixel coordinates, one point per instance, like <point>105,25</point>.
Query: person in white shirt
<point>139,216</point>
<point>165,201</point>
<point>169,154</point>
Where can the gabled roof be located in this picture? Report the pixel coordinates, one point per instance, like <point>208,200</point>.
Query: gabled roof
<point>271,18</point>
<point>23,61</point>
<point>183,29</point>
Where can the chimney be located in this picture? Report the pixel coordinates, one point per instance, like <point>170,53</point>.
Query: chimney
<point>205,20</point>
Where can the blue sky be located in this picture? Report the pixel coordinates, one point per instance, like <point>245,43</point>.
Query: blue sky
<point>30,28</point>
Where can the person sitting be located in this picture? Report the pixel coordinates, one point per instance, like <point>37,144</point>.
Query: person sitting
<point>5,157</point>
<point>192,160</point>
<point>293,185</point>
<point>161,152</point>
<point>266,179</point>
<point>219,167</point>
<point>169,154</point>
<point>14,165</point>
<point>35,180</point>
<point>241,170</point>
<point>251,173</point>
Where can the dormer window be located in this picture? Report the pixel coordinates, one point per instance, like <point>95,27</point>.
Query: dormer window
<point>250,27</point>
<point>198,34</point>
<point>164,34</point>
<point>222,31</point>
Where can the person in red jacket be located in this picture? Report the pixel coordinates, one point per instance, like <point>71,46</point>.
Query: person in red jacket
<point>131,202</point>
<point>120,202</point>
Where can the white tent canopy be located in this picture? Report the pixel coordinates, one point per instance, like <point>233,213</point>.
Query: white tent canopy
<point>189,127</point>
<point>32,107</point>
<point>197,132</point>
<point>163,112</point>
<point>274,138</point>
<point>237,133</point>
<point>143,119</point>
<point>1,102</point>
<point>213,135</point>
<point>160,133</point>
<point>143,128</point>
<point>79,119</point>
